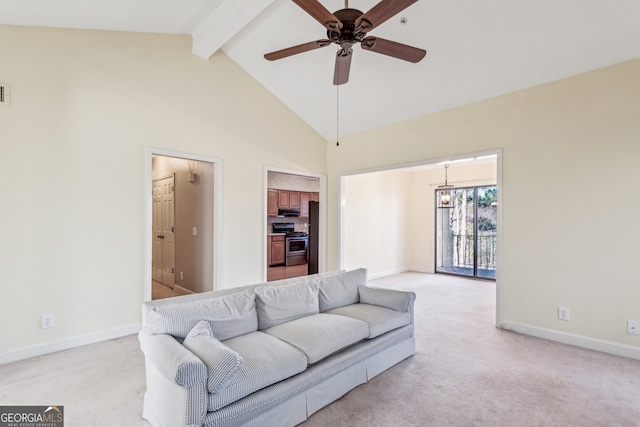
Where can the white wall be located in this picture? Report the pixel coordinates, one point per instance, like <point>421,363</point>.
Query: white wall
<point>85,105</point>
<point>571,149</point>
<point>388,216</point>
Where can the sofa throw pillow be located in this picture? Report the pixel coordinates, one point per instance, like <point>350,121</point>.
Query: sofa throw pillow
<point>229,315</point>
<point>222,363</point>
<point>395,300</point>
<point>279,304</point>
<point>341,289</point>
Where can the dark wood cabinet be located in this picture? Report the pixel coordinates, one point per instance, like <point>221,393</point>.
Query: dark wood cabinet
<point>276,250</point>
<point>272,202</point>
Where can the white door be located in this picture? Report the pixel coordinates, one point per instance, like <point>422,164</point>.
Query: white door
<point>163,225</point>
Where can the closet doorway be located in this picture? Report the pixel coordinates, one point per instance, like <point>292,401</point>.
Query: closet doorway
<point>183,215</point>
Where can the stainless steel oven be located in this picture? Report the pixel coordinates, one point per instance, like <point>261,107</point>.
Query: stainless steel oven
<point>296,243</point>
<point>296,250</point>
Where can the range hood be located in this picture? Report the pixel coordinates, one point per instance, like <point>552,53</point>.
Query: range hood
<point>288,212</point>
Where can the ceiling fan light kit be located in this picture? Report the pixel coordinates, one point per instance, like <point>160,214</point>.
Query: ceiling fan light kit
<point>347,27</point>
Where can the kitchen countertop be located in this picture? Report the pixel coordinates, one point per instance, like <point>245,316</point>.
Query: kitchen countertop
<point>276,234</point>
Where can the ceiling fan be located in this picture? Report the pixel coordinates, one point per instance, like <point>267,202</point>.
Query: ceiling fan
<point>347,27</point>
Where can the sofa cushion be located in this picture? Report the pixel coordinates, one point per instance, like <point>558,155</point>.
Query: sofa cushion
<point>379,319</point>
<point>267,360</point>
<point>283,303</point>
<point>229,315</point>
<point>222,362</point>
<point>389,298</point>
<point>320,335</point>
<point>341,289</point>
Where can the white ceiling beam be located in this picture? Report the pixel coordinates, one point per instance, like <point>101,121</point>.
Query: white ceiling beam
<point>224,23</point>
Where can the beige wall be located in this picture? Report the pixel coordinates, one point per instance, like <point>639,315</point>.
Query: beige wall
<point>375,221</point>
<point>571,149</point>
<point>388,216</point>
<point>85,105</point>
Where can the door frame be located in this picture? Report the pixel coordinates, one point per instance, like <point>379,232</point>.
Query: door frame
<point>322,226</point>
<point>217,213</point>
<point>499,184</point>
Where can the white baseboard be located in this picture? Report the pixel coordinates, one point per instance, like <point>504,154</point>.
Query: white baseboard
<point>572,339</point>
<point>386,273</point>
<point>421,270</point>
<point>182,290</point>
<point>398,271</point>
<point>67,343</point>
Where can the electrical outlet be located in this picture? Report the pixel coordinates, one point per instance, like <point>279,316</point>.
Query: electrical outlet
<point>633,327</point>
<point>563,313</point>
<point>47,321</point>
<point>182,275</point>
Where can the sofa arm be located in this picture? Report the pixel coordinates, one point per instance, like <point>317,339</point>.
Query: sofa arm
<point>173,360</point>
<point>389,298</point>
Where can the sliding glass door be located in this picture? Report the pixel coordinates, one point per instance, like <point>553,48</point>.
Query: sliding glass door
<point>466,232</point>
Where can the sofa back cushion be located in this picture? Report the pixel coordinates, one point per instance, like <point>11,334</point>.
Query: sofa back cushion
<point>341,289</point>
<point>282,303</point>
<point>229,315</point>
<point>222,363</point>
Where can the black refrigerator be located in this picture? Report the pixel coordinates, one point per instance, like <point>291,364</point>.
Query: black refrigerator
<point>314,235</point>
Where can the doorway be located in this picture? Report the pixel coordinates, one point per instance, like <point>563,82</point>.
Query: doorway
<point>387,216</point>
<point>183,217</point>
<point>294,213</point>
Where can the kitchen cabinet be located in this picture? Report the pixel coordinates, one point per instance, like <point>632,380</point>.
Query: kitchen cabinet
<point>305,198</point>
<point>276,250</point>
<point>284,199</point>
<point>294,199</point>
<point>290,199</point>
<point>272,202</point>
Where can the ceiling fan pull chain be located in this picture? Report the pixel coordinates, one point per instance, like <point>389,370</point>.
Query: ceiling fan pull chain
<point>337,115</point>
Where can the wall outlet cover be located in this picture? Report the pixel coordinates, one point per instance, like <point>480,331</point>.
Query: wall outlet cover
<point>563,313</point>
<point>47,321</point>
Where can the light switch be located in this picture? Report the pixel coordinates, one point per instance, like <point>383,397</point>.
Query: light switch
<point>195,231</point>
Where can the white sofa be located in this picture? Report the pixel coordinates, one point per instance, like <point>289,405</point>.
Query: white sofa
<point>270,354</point>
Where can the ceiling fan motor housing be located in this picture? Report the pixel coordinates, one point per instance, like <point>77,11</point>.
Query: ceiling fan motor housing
<point>348,35</point>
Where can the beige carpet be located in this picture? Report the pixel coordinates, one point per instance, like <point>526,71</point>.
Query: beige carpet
<point>466,373</point>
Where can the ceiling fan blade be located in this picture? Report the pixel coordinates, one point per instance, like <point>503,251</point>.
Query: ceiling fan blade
<point>343,65</point>
<point>380,13</point>
<point>320,14</point>
<point>294,50</point>
<point>394,49</point>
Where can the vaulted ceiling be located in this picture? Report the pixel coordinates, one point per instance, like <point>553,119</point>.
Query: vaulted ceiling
<point>475,49</point>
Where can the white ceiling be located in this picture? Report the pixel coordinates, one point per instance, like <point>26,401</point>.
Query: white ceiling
<point>475,49</point>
